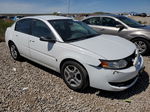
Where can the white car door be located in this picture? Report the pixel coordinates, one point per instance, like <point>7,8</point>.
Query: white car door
<point>21,36</point>
<point>42,51</point>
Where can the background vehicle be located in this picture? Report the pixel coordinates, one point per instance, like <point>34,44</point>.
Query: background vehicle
<point>141,14</point>
<point>15,18</point>
<point>3,17</point>
<point>76,51</point>
<point>124,27</point>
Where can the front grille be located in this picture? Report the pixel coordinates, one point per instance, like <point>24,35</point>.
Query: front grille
<point>121,84</point>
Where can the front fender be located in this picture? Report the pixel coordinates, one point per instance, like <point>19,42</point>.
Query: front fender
<point>80,55</point>
<point>83,59</point>
<point>140,35</point>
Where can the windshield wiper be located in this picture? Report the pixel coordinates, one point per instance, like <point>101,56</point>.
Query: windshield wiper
<point>89,36</point>
<point>82,38</point>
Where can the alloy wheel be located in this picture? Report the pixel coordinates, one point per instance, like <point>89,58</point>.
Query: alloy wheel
<point>72,76</point>
<point>141,46</point>
<point>13,51</point>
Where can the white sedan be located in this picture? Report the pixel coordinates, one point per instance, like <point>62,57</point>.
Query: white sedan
<point>80,54</point>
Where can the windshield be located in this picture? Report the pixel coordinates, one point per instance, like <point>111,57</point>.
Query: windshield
<point>70,30</point>
<point>130,22</point>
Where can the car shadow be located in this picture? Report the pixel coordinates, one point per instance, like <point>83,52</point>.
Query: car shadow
<point>51,72</point>
<point>140,86</point>
<point>147,54</point>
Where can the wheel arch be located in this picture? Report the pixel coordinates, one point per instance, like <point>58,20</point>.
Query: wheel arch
<point>9,42</point>
<point>142,38</point>
<point>70,59</point>
<point>138,37</point>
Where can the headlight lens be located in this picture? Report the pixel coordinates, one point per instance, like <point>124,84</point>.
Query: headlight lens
<point>119,64</point>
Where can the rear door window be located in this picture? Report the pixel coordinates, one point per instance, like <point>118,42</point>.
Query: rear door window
<point>23,26</point>
<point>93,21</point>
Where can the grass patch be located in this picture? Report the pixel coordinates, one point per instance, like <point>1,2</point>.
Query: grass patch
<point>3,26</point>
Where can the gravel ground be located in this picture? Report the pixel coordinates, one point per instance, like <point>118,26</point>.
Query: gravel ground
<point>29,87</point>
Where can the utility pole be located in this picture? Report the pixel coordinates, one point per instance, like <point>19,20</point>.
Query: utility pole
<point>68,6</point>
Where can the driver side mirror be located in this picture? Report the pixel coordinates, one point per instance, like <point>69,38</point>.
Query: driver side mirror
<point>120,26</point>
<point>47,39</point>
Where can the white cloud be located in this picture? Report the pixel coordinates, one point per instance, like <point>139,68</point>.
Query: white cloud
<point>15,7</point>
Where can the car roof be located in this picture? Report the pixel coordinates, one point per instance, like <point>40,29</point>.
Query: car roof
<point>114,15</point>
<point>108,15</point>
<point>48,17</point>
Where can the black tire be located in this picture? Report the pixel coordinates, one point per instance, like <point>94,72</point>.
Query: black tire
<point>144,42</point>
<point>82,77</point>
<point>14,52</point>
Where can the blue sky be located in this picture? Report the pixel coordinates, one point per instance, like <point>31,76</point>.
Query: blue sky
<point>76,6</point>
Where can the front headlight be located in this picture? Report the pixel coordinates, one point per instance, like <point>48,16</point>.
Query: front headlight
<point>119,64</point>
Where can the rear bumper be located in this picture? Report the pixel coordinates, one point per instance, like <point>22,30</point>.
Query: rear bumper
<point>115,80</point>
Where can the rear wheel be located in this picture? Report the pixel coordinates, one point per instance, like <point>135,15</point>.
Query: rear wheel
<point>142,45</point>
<point>14,51</point>
<point>75,76</point>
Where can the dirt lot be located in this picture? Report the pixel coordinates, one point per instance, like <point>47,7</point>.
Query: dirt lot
<point>143,20</point>
<point>29,87</point>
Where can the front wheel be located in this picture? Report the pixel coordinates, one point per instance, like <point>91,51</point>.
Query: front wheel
<point>75,76</point>
<point>142,45</point>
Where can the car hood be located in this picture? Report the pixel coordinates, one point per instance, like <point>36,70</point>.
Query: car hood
<point>107,46</point>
